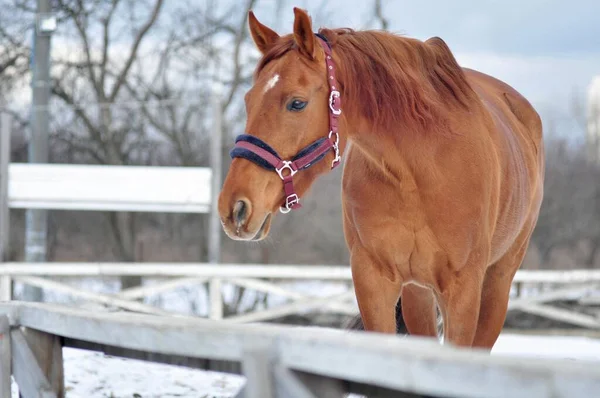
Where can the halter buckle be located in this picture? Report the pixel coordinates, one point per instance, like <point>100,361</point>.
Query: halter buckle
<point>290,201</point>
<point>287,165</point>
<point>333,95</point>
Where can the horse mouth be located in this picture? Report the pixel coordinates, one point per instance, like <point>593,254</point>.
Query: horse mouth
<point>264,229</point>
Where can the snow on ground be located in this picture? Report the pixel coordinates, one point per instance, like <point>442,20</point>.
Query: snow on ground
<point>563,347</point>
<point>91,374</point>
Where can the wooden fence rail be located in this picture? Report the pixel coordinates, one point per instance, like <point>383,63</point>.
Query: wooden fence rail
<point>533,292</point>
<point>278,361</point>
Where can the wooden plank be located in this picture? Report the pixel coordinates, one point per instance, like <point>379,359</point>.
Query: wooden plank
<point>287,309</point>
<point>367,390</point>
<point>5,124</point>
<point>269,287</point>
<point>5,357</point>
<point>551,295</point>
<point>216,299</point>
<point>228,270</point>
<point>319,386</point>
<point>149,290</point>
<point>287,384</point>
<point>563,315</point>
<point>109,188</point>
<point>266,287</point>
<point>406,364</point>
<point>590,300</point>
<point>184,336</point>
<point>5,288</point>
<point>554,276</point>
<point>301,272</point>
<point>257,366</point>
<point>87,295</point>
<point>447,371</point>
<point>48,351</point>
<point>30,378</point>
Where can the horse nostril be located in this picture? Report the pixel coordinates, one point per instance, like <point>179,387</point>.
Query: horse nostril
<point>240,212</point>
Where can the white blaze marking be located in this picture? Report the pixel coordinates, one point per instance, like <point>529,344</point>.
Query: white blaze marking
<point>271,83</point>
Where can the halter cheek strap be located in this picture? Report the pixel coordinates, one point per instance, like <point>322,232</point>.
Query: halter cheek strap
<point>256,150</point>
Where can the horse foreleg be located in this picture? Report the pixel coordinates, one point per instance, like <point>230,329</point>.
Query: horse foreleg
<point>492,313</point>
<point>460,305</point>
<point>496,293</point>
<point>377,294</point>
<point>418,310</point>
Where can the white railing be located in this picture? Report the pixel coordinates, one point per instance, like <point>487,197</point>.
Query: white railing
<point>532,292</point>
<point>277,361</point>
<point>109,188</point>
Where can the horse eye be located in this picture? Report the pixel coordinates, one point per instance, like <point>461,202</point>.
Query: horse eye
<point>296,105</point>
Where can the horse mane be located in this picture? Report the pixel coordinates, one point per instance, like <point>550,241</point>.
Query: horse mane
<point>393,80</point>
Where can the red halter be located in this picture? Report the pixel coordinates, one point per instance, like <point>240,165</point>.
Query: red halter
<point>259,152</point>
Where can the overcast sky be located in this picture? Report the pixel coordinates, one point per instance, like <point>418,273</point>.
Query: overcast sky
<point>549,50</point>
<point>546,49</point>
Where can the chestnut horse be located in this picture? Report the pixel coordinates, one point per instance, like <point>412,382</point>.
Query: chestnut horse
<point>442,177</point>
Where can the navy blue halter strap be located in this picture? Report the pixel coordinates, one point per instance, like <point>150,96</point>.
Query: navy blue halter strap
<point>242,152</point>
<point>256,150</point>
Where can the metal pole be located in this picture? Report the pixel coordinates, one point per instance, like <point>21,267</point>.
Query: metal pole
<point>214,231</point>
<point>214,234</point>
<point>5,125</point>
<point>36,220</point>
<point>5,120</point>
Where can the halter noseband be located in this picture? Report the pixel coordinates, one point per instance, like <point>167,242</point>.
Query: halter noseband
<point>256,150</point>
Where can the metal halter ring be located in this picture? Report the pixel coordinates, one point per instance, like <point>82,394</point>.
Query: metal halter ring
<point>287,165</point>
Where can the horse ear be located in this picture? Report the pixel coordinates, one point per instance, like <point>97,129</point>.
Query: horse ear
<point>303,34</point>
<point>263,36</point>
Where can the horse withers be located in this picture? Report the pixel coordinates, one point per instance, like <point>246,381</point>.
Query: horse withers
<point>442,177</point>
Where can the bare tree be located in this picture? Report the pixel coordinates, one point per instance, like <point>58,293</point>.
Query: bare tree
<point>13,53</point>
<point>571,206</point>
<point>379,14</point>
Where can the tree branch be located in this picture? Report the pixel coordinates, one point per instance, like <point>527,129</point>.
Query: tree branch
<point>242,34</point>
<point>105,41</point>
<point>75,16</point>
<point>134,50</point>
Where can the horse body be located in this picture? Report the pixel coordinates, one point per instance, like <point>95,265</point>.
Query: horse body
<point>442,181</point>
<point>440,212</point>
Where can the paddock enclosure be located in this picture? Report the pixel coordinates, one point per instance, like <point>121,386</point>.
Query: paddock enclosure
<point>276,360</point>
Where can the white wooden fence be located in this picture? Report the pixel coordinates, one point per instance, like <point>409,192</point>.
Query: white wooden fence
<point>277,361</point>
<point>534,291</point>
<point>167,189</point>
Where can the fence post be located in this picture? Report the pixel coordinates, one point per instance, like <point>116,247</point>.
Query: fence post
<point>5,125</point>
<point>216,299</point>
<point>257,366</point>
<point>5,357</point>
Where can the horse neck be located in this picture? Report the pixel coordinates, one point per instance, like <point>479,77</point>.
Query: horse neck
<point>399,151</point>
<point>397,89</point>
